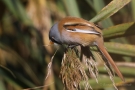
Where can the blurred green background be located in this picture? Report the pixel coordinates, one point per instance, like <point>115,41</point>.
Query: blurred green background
<point>24,27</point>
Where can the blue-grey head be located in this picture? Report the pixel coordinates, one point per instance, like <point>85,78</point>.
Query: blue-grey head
<point>54,34</point>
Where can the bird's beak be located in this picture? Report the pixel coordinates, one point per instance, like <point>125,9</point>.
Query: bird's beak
<point>51,42</point>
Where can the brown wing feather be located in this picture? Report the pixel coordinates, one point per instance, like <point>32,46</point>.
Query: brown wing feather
<point>74,21</point>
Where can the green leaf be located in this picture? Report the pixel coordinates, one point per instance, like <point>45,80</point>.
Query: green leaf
<point>98,5</point>
<point>2,87</point>
<point>123,49</point>
<point>110,9</point>
<point>72,8</point>
<point>133,8</point>
<point>16,8</point>
<point>122,30</point>
<point>105,82</point>
<point>127,71</point>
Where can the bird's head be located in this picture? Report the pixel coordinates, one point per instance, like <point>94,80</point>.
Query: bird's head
<point>54,34</point>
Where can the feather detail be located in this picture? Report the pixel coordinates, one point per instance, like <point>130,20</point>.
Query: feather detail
<point>84,31</point>
<point>107,58</point>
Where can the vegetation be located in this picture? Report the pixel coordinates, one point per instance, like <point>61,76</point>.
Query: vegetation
<point>24,27</point>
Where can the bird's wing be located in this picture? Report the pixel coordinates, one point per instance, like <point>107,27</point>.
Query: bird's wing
<point>83,31</point>
<point>74,24</point>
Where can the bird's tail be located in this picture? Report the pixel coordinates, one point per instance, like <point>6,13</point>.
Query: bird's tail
<point>107,58</point>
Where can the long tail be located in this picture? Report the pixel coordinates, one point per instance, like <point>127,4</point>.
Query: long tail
<point>106,56</point>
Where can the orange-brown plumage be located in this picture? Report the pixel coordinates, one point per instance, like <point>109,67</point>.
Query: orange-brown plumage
<point>76,31</point>
<point>80,38</point>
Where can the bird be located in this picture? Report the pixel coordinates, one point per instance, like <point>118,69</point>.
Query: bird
<point>74,31</point>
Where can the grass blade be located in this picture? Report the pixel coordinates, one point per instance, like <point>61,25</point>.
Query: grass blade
<point>126,29</point>
<point>110,9</point>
